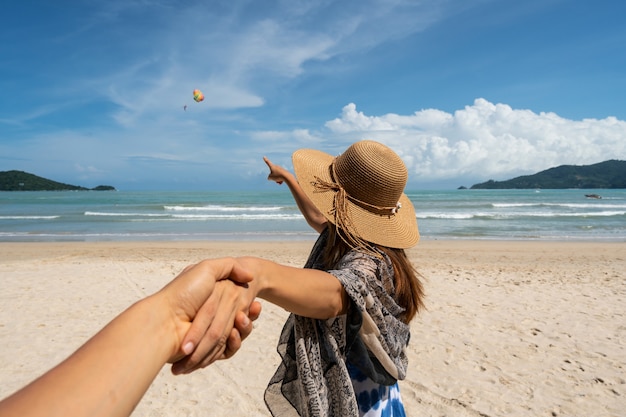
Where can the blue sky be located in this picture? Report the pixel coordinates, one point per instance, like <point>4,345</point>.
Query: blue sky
<point>93,92</point>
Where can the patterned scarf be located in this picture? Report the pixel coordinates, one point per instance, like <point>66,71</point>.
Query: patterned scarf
<point>312,379</point>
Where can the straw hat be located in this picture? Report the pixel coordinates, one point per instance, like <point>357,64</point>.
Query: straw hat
<point>362,192</point>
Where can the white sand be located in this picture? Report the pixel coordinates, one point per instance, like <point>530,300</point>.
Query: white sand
<point>512,328</point>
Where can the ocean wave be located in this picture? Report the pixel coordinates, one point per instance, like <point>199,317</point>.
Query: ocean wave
<point>222,208</point>
<point>114,214</point>
<point>28,217</point>
<point>567,205</point>
<point>514,215</point>
<point>580,214</point>
<point>446,216</point>
<point>266,216</point>
<point>203,216</point>
<point>510,205</point>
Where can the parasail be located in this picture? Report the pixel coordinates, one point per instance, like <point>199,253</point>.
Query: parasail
<point>197,95</point>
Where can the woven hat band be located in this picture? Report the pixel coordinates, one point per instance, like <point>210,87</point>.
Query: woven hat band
<point>340,213</point>
<point>342,196</point>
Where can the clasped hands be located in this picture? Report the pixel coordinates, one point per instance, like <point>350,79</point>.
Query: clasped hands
<point>212,309</point>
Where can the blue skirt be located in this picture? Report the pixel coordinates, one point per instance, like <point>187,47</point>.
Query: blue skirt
<point>375,400</point>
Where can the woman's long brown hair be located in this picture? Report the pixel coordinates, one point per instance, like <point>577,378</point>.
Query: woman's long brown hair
<point>409,289</point>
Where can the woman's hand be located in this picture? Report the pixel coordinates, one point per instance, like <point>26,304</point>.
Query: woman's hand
<point>211,335</point>
<point>277,173</point>
<point>194,293</point>
<point>243,328</point>
<point>313,216</point>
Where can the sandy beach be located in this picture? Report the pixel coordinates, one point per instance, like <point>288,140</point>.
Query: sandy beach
<point>511,329</point>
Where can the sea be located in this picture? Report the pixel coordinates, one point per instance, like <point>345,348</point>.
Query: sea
<point>62,216</point>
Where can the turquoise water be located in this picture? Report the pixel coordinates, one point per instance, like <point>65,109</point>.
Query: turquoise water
<point>441,214</point>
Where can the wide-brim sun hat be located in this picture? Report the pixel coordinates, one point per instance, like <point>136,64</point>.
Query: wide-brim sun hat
<point>361,191</point>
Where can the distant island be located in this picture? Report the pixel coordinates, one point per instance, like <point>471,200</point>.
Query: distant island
<point>607,174</point>
<point>23,181</point>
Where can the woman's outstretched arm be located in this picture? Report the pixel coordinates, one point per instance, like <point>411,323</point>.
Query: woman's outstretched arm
<point>313,216</point>
<point>306,292</point>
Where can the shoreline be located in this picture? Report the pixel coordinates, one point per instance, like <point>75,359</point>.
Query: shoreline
<point>511,328</point>
<point>295,238</point>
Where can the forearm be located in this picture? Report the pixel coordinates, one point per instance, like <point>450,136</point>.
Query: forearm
<point>313,216</point>
<point>109,374</point>
<point>306,292</point>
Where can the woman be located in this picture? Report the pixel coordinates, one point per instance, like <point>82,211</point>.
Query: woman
<point>343,348</point>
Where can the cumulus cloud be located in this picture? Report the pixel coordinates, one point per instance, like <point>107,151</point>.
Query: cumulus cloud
<point>301,136</point>
<point>486,140</point>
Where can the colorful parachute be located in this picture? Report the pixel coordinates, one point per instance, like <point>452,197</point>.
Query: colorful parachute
<point>198,96</point>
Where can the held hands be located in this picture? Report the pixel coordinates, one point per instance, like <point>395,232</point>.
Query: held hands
<point>206,301</point>
<point>227,306</point>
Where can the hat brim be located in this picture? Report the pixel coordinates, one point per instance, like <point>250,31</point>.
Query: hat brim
<point>397,230</point>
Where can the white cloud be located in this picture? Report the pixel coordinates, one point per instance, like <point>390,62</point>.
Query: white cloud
<point>486,140</point>
<point>229,97</point>
<point>302,136</point>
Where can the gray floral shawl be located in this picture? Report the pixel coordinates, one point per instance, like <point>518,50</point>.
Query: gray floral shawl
<point>312,379</point>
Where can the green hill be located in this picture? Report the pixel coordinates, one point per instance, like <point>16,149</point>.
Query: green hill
<point>23,181</point>
<point>608,174</point>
